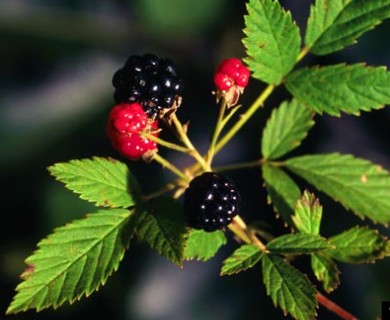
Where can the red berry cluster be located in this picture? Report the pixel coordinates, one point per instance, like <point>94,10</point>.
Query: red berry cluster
<point>230,78</point>
<point>124,127</point>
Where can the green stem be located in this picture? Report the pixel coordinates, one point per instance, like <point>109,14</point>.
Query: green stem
<point>245,117</point>
<point>166,164</point>
<point>237,166</point>
<point>164,143</point>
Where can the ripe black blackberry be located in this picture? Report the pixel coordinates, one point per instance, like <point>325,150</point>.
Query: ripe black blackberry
<point>211,202</point>
<point>150,81</point>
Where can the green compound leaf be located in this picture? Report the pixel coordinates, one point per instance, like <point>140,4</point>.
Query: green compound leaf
<point>358,245</point>
<point>74,261</point>
<point>308,214</point>
<point>160,223</point>
<point>243,258</point>
<point>272,40</point>
<point>283,192</point>
<point>289,289</point>
<point>285,129</point>
<point>202,245</point>
<point>299,243</point>
<point>333,25</point>
<point>105,181</point>
<point>341,88</point>
<point>326,271</point>
<point>357,184</point>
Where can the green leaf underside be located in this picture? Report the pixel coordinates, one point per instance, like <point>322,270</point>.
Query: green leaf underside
<point>105,181</point>
<point>288,288</point>
<point>160,223</point>
<point>333,25</point>
<point>358,245</point>
<point>286,128</point>
<point>74,260</point>
<point>202,245</point>
<point>326,271</point>
<point>298,243</point>
<point>272,40</point>
<point>341,88</point>
<point>308,214</point>
<point>357,184</point>
<point>282,191</point>
<point>243,258</point>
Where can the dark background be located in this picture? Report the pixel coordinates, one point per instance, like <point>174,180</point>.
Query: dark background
<point>57,59</point>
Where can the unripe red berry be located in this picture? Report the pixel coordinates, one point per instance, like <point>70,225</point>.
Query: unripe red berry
<point>124,127</point>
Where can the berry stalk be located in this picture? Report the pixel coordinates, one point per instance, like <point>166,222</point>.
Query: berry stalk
<point>168,165</point>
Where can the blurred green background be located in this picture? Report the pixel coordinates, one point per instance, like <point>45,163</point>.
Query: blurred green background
<point>57,60</point>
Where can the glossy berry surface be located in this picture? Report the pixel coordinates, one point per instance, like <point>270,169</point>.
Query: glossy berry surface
<point>231,72</point>
<point>125,124</point>
<point>150,81</point>
<point>211,202</point>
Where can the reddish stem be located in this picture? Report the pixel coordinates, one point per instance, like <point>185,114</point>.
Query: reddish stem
<point>330,305</point>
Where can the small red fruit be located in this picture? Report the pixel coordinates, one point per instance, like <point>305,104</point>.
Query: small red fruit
<point>124,127</point>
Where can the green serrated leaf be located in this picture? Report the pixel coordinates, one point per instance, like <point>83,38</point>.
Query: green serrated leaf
<point>308,214</point>
<point>358,245</point>
<point>282,191</point>
<point>326,271</point>
<point>341,88</point>
<point>358,184</point>
<point>285,129</point>
<point>160,223</point>
<point>289,289</point>
<point>298,243</point>
<point>272,40</point>
<point>105,181</point>
<point>74,261</point>
<point>202,245</point>
<point>243,258</point>
<point>333,25</point>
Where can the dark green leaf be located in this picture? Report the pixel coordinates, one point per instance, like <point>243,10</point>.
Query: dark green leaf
<point>202,245</point>
<point>105,181</point>
<point>272,40</point>
<point>358,245</point>
<point>243,258</point>
<point>298,243</point>
<point>285,129</point>
<point>282,190</point>
<point>289,289</point>
<point>326,271</point>
<point>308,214</point>
<point>333,25</point>
<point>357,183</point>
<point>161,224</point>
<point>74,261</point>
<point>341,88</point>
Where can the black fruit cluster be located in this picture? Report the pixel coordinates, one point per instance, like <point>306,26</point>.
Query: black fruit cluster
<point>148,80</point>
<point>211,201</point>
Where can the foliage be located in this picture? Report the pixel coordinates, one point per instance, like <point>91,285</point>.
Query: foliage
<point>77,258</point>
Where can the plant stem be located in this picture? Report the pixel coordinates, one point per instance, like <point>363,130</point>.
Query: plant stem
<point>166,164</point>
<point>164,143</point>
<point>243,165</point>
<point>245,117</point>
<point>187,142</point>
<point>330,305</point>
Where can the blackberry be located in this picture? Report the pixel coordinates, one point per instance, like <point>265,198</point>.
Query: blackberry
<point>211,202</point>
<point>150,81</point>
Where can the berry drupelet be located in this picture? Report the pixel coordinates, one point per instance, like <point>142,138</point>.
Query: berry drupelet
<point>125,124</point>
<point>211,202</point>
<point>150,81</point>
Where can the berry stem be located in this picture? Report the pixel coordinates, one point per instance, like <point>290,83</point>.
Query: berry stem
<point>238,166</point>
<point>336,309</point>
<point>245,117</point>
<point>165,143</point>
<point>187,142</point>
<point>166,164</point>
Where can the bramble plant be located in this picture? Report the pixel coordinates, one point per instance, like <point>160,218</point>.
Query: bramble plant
<point>194,215</point>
